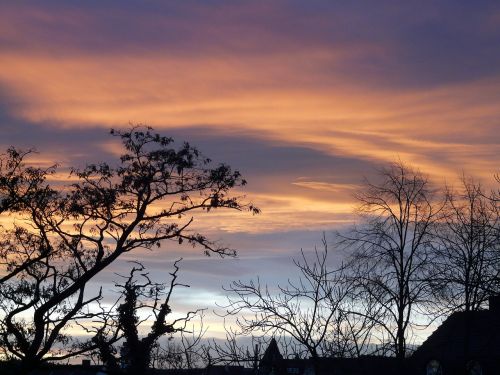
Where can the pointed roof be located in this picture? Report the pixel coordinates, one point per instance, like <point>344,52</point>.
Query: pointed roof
<point>272,354</point>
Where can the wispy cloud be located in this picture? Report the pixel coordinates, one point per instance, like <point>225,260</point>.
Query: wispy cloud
<point>305,98</point>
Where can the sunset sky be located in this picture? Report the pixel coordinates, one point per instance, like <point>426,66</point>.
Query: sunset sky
<point>305,98</point>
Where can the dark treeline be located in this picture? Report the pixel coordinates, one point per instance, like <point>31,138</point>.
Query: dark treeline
<point>418,253</point>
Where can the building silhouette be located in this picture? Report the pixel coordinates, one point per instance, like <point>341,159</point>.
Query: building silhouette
<point>466,343</point>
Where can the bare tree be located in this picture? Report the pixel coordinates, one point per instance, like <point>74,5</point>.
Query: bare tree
<point>142,297</point>
<point>63,237</point>
<point>236,349</point>
<point>390,251</point>
<point>305,309</point>
<point>186,350</point>
<point>467,257</point>
<point>353,331</point>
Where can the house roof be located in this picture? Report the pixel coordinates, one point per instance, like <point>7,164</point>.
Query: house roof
<point>464,339</point>
<point>473,334</point>
<point>271,355</point>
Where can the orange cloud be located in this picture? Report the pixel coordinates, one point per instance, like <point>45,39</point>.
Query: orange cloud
<point>267,98</point>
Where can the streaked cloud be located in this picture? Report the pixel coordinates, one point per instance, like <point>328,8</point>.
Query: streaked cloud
<point>304,98</point>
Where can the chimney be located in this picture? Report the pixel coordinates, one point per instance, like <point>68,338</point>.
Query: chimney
<point>494,303</point>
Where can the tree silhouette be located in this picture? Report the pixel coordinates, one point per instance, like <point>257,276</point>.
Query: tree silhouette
<point>390,251</point>
<point>65,236</point>
<point>309,309</point>
<point>140,296</point>
<point>23,192</point>
<point>466,254</point>
<point>186,350</point>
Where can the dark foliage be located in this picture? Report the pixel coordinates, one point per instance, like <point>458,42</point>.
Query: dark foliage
<point>59,238</point>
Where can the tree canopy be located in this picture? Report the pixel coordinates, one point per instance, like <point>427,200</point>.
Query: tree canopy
<point>58,238</point>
